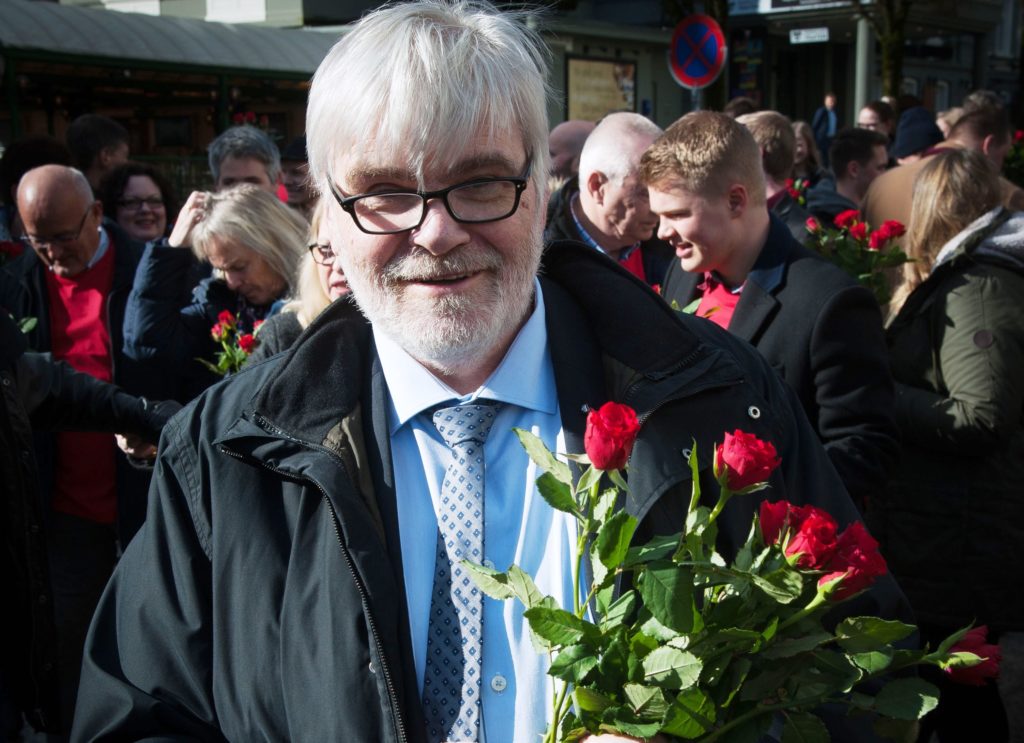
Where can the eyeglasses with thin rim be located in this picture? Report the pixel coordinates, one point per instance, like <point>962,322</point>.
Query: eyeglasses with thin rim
<point>322,254</point>
<point>66,239</point>
<point>134,205</point>
<point>475,201</point>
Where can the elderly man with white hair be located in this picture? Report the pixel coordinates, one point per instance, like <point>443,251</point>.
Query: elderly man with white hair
<point>606,207</point>
<point>298,575</point>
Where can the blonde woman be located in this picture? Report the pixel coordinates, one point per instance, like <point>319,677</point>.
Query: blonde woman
<point>806,157</point>
<point>952,521</point>
<point>252,242</point>
<point>321,281</point>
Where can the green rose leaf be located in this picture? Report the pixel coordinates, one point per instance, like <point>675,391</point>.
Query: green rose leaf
<point>646,701</point>
<point>558,626</point>
<point>524,588</point>
<point>898,730</point>
<point>692,715</point>
<point>620,611</point>
<point>492,582</point>
<point>804,728</point>
<point>591,476</point>
<point>557,494</point>
<point>791,646</point>
<point>671,668</point>
<point>589,700</point>
<point>657,549</point>
<point>667,592</point>
<point>573,663</point>
<point>538,452</point>
<point>783,585</point>
<point>613,538</point>
<point>860,634</point>
<point>625,722</point>
<point>873,661</point>
<point>605,505</point>
<point>907,699</point>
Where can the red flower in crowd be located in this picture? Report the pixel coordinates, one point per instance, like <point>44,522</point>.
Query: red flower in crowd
<point>859,230</point>
<point>812,225</point>
<point>256,326</point>
<point>856,560</point>
<point>845,219</point>
<point>974,642</point>
<point>876,241</point>
<point>247,342</point>
<point>1018,136</point>
<point>812,532</point>
<point>892,228</point>
<point>744,460</point>
<point>611,431</point>
<point>218,332</point>
<point>226,318</point>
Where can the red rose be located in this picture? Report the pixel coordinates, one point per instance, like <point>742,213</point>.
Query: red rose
<point>812,532</point>
<point>893,228</point>
<point>247,342</point>
<point>974,642</point>
<point>877,240</point>
<point>856,560</point>
<point>1018,136</point>
<point>790,182</point>
<point>744,460</point>
<point>256,325</point>
<point>845,219</point>
<point>217,332</point>
<point>226,318</point>
<point>238,118</point>
<point>812,224</point>
<point>859,230</point>
<point>611,431</point>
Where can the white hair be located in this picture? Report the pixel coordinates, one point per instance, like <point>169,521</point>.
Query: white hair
<point>616,145</point>
<point>416,79</point>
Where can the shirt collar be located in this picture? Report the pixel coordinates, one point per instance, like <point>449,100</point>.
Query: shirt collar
<point>413,389</point>
<point>101,250</point>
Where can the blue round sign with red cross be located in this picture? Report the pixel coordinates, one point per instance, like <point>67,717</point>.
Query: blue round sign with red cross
<point>698,50</point>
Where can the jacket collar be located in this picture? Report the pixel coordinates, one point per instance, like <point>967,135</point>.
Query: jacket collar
<point>757,303</point>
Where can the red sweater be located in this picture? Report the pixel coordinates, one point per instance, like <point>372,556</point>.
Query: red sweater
<point>85,476</point>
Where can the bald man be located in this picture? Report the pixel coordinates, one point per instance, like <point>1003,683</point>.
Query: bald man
<point>606,207</point>
<point>75,282</point>
<point>565,143</point>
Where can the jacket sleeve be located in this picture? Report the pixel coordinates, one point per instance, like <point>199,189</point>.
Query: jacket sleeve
<point>854,391</point>
<point>59,398</point>
<point>980,353</point>
<point>147,672</point>
<point>161,323</point>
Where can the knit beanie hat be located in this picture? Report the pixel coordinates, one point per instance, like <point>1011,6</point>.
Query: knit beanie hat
<point>915,132</point>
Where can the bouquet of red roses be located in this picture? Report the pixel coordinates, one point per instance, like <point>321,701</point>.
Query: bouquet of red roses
<point>235,345</point>
<point>861,252</point>
<point>702,648</point>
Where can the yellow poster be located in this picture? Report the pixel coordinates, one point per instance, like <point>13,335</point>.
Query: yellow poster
<point>599,87</point>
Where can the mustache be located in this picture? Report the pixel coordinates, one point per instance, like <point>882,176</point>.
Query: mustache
<point>421,265</point>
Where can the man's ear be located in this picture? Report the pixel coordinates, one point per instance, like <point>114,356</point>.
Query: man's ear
<point>853,170</point>
<point>738,199</point>
<point>595,186</point>
<point>988,144</point>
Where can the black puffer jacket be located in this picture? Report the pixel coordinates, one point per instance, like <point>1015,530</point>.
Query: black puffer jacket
<point>264,598</point>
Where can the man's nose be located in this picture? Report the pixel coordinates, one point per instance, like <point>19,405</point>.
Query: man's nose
<point>440,231</point>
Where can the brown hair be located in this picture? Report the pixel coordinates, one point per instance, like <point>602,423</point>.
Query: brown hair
<point>706,152</point>
<point>774,135</point>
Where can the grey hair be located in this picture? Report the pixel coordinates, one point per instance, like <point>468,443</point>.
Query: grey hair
<point>616,145</point>
<point>416,79</point>
<point>258,220</point>
<point>245,141</point>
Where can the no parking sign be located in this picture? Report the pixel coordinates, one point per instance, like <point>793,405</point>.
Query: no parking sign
<point>698,50</point>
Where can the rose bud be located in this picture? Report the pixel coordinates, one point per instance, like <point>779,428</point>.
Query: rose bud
<point>845,219</point>
<point>859,231</point>
<point>611,431</point>
<point>812,225</point>
<point>226,318</point>
<point>247,342</point>
<point>856,561</point>
<point>976,675</point>
<point>743,460</point>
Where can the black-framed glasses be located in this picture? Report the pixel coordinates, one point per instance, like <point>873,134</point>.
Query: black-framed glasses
<point>322,254</point>
<point>133,205</point>
<point>474,202</point>
<point>65,239</point>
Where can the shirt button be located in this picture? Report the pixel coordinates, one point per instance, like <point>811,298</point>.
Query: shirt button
<point>499,684</point>
<point>488,564</point>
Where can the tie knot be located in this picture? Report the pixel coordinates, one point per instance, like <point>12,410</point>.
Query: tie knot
<point>463,423</point>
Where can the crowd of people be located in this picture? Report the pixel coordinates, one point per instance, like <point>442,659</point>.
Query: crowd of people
<point>267,570</point>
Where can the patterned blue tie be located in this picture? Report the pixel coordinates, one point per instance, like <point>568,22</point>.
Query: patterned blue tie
<point>451,684</point>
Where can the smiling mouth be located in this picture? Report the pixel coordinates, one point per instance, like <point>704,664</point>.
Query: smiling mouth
<point>445,280</point>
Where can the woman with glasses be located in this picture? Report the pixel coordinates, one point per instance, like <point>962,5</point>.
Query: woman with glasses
<point>253,243</point>
<point>138,198</point>
<point>321,280</point>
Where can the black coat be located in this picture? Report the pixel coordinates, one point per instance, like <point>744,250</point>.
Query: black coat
<point>23,294</point>
<point>264,598</point>
<point>823,333</point>
<point>657,254</point>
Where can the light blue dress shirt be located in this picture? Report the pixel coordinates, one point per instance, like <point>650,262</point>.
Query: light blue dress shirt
<point>519,526</point>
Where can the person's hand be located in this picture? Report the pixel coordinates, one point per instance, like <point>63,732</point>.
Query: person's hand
<point>189,216</point>
<point>136,447</point>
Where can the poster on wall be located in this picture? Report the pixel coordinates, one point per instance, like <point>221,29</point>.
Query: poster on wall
<point>596,87</point>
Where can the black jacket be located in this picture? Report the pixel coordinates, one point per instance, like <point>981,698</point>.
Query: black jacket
<point>264,599</point>
<point>37,393</point>
<point>823,333</point>
<point>23,294</point>
<point>657,254</point>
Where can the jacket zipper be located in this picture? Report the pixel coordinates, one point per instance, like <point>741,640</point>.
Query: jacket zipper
<point>363,594</point>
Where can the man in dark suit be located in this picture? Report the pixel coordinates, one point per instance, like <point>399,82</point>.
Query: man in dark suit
<point>825,124</point>
<point>813,323</point>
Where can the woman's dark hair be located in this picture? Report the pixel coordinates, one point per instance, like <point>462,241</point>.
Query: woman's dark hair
<point>113,184</point>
